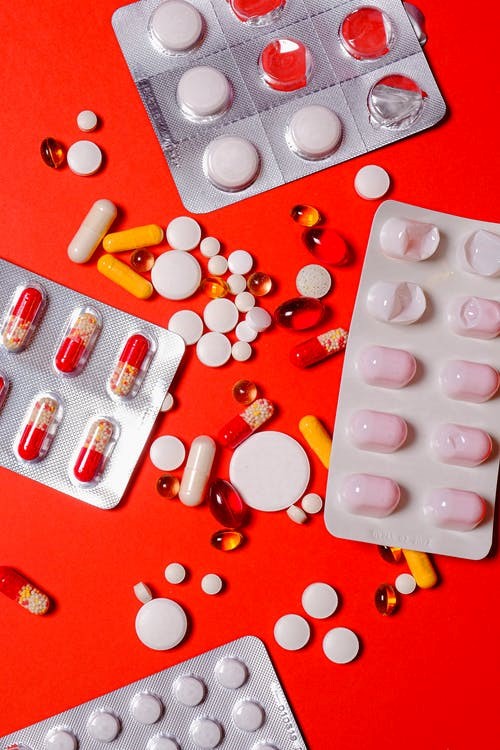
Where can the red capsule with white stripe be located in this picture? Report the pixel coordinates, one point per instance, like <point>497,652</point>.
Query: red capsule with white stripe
<point>90,458</point>
<point>243,425</point>
<point>39,427</point>
<point>16,587</point>
<point>131,367</point>
<point>320,347</point>
<point>22,317</point>
<point>78,340</point>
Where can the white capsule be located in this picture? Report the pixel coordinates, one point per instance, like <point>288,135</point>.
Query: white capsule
<point>197,472</point>
<point>92,230</point>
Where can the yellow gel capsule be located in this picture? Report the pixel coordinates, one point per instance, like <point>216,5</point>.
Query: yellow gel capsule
<point>114,270</point>
<point>131,239</point>
<point>421,568</point>
<point>317,438</point>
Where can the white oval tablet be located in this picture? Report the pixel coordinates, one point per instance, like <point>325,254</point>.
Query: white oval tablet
<point>84,158</point>
<point>103,726</point>
<point>204,93</point>
<point>237,283</point>
<point>372,182</point>
<point>186,324</point>
<point>211,584</point>
<point>313,280</point>
<point>183,233</point>
<point>341,645</point>
<point>248,715</point>
<point>176,275</point>
<point>270,470</point>
<point>213,349</point>
<point>314,132</point>
<point>146,708</point>
<point>258,319</point>
<point>175,573</point>
<point>162,742</point>
<point>312,503</point>
<point>220,315</point>
<point>86,120</point>
<point>244,332</point>
<point>296,514</point>
<point>292,632</point>
<point>209,246</point>
<point>59,739</point>
<point>189,690</point>
<point>143,592</point>
<point>176,26</point>
<point>244,301</point>
<point>161,624</point>
<point>217,265</point>
<point>231,163</point>
<point>205,732</point>
<point>405,583</point>
<point>231,673</point>
<point>241,351</point>
<point>167,453</point>
<point>320,600</point>
<point>240,261</point>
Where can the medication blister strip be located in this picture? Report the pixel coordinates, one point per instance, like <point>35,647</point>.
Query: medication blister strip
<point>84,396</point>
<point>415,466</point>
<point>279,729</point>
<point>258,112</point>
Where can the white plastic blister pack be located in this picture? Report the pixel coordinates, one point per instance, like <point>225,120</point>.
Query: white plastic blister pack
<point>415,451</point>
<point>229,697</point>
<point>245,96</point>
<point>81,385</point>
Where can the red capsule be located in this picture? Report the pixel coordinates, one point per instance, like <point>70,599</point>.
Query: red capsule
<point>327,245</point>
<point>78,341</point>
<point>39,428</point>
<point>19,589</point>
<point>131,366</point>
<point>22,317</point>
<point>226,505</point>
<point>4,388</point>
<point>299,313</point>
<point>96,448</point>
<point>320,347</point>
<point>242,426</point>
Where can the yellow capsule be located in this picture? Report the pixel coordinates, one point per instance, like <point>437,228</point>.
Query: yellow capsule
<point>114,270</point>
<point>131,239</point>
<point>317,438</point>
<point>421,568</point>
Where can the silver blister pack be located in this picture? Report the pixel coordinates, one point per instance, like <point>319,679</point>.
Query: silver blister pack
<point>229,698</point>
<point>68,406</point>
<point>261,114</point>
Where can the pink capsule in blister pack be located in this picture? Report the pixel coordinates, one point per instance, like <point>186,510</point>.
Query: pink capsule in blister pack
<point>415,448</point>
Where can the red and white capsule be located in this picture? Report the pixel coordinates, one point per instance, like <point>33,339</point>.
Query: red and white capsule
<point>90,461</point>
<point>77,341</point>
<point>131,366</point>
<point>22,317</point>
<point>320,347</point>
<point>243,425</point>
<point>4,387</point>
<point>19,589</point>
<point>37,432</point>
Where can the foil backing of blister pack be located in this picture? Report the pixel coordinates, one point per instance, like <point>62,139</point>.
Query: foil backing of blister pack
<point>422,403</point>
<point>84,396</point>
<point>258,112</point>
<point>278,730</point>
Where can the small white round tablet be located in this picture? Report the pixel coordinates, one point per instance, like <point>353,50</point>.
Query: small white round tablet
<point>162,742</point>
<point>244,332</point>
<point>231,163</point>
<point>313,280</point>
<point>217,265</point>
<point>312,503</point>
<point>187,324</point>
<point>167,453</point>
<point>213,349</point>
<point>161,624</point>
<point>314,132</point>
<point>296,514</point>
<point>146,708</point>
<point>209,246</point>
<point>405,583</point>
<point>320,600</point>
<point>220,315</point>
<point>203,93</point>
<point>237,283</point>
<point>341,645</point>
<point>176,26</point>
<point>143,592</point>
<point>244,301</point>
<point>59,739</point>
<point>231,673</point>
<point>168,403</point>
<point>103,726</point>
<point>240,261</point>
<point>183,233</point>
<point>241,351</point>
<point>84,158</point>
<point>205,732</point>
<point>176,275</point>
<point>372,182</point>
<point>292,632</point>
<point>248,715</point>
<point>211,584</point>
<point>86,120</point>
<point>189,690</point>
<point>175,573</point>
<point>258,319</point>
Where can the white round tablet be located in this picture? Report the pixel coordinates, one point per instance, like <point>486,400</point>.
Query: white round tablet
<point>341,645</point>
<point>292,632</point>
<point>241,351</point>
<point>59,739</point>
<point>204,93</point>
<point>237,283</point>
<point>314,132</point>
<point>175,573</point>
<point>296,514</point>
<point>231,163</point>
<point>167,453</point>
<point>372,182</point>
<point>176,26</point>
<point>205,732</point>
<point>161,624</point>
<point>312,503</point>
<point>84,158</point>
<point>258,319</point>
<point>248,715</point>
<point>168,403</point>
<point>162,742</point>
<point>86,120</point>
<point>146,708</point>
<point>103,726</point>
<point>217,265</point>
<point>313,280</point>
<point>176,275</point>
<point>211,584</point>
<point>320,600</point>
<point>143,592</point>
<point>187,324</point>
<point>220,315</point>
<point>209,246</point>
<point>231,673</point>
<point>244,332</point>
<point>270,470</point>
<point>189,690</point>
<point>213,349</point>
<point>183,233</point>
<point>240,261</point>
<point>244,301</point>
<point>405,583</point>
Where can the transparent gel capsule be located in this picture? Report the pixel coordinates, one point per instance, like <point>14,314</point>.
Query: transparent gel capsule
<point>142,260</point>
<point>306,216</point>
<point>226,505</point>
<point>395,102</point>
<point>40,425</point>
<point>52,152</point>
<point>227,540</point>
<point>299,313</point>
<point>215,287</point>
<point>366,34</point>
<point>327,246</point>
<point>167,486</point>
<point>285,64</point>
<point>259,284</point>
<point>244,391</point>
<point>386,599</point>
<point>257,12</point>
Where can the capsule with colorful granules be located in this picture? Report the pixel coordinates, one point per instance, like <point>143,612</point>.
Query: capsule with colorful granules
<point>131,367</point>
<point>22,317</point>
<point>37,432</point>
<point>4,387</point>
<point>78,340</point>
<point>320,347</point>
<point>98,442</point>
<point>19,589</point>
<point>243,425</point>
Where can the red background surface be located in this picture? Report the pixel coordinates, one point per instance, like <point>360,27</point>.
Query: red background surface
<point>423,677</point>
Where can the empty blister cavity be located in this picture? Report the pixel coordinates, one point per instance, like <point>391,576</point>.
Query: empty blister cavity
<point>314,132</point>
<point>476,317</point>
<point>204,93</point>
<point>369,495</point>
<point>22,317</point>
<point>231,673</point>
<point>146,708</point>
<point>131,366</point>
<point>89,460</point>
<point>60,738</point>
<point>33,441</point>
<point>231,163</point>
<point>377,431</point>
<point>461,445</point>
<point>480,253</point>
<point>366,33</point>
<point>103,726</point>
<point>77,341</point>
<point>393,302</point>
<point>408,240</point>
<point>176,27</point>
<point>395,102</point>
<point>386,367</point>
<point>285,64</point>
<point>257,12</point>
<point>456,510</point>
<point>469,381</point>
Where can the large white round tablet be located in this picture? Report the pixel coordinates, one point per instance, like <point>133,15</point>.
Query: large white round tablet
<point>204,92</point>
<point>84,158</point>
<point>103,726</point>
<point>314,132</point>
<point>270,470</point>
<point>231,163</point>
<point>372,182</point>
<point>59,739</point>
<point>213,349</point>
<point>176,26</point>
<point>320,600</point>
<point>313,280</point>
<point>292,632</point>
<point>220,315</point>
<point>241,351</point>
<point>183,233</point>
<point>167,453</point>
<point>187,324</point>
<point>176,275</point>
<point>161,624</point>
<point>240,261</point>
<point>146,708</point>
<point>341,645</point>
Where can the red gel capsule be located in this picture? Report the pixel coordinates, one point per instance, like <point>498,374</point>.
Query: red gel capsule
<point>22,317</point>
<point>97,445</point>
<point>327,246</point>
<point>299,313</point>
<point>78,341</point>
<point>242,426</point>
<point>39,428</point>
<point>226,505</point>
<point>131,366</point>
<point>4,388</point>
<point>320,347</point>
<point>19,589</point>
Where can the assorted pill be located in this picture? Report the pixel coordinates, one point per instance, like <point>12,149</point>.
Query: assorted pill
<point>244,391</point>
<point>474,317</point>
<point>421,568</point>
<point>320,600</point>
<point>314,132</point>
<point>175,573</point>
<point>226,505</point>
<point>204,93</point>
<point>327,245</point>
<point>313,281</point>
<point>84,158</point>
<point>246,423</point>
<point>227,540</point>
<point>97,444</point>
<point>312,503</point>
<point>386,599</point>
<point>142,261</point>
<point>183,233</point>
<point>18,588</point>
<point>341,645</point>
<point>161,624</point>
<point>22,317</point>
<point>167,453</point>
<point>408,240</point>
<point>142,592</point>
<point>132,239</point>
<point>314,350</point>
<point>259,284</point>
<point>92,230</point>
<point>131,366</point>
<point>306,216</point>
<point>469,381</point>
<point>480,253</point>
<point>176,275</point>
<point>296,514</point>
<point>405,584</point>
<point>87,120</point>
<point>197,472</point>
<point>213,349</point>
<point>78,340</point>
<point>231,163</point>
<point>377,431</point>
<point>53,153</point>
<point>241,351</point>
<point>299,313</point>
<point>211,584</point>
<point>209,246</point>
<point>124,276</point>
<point>317,438</point>
<point>188,325</point>
<point>38,428</point>
<point>386,367</point>
<point>292,632</point>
